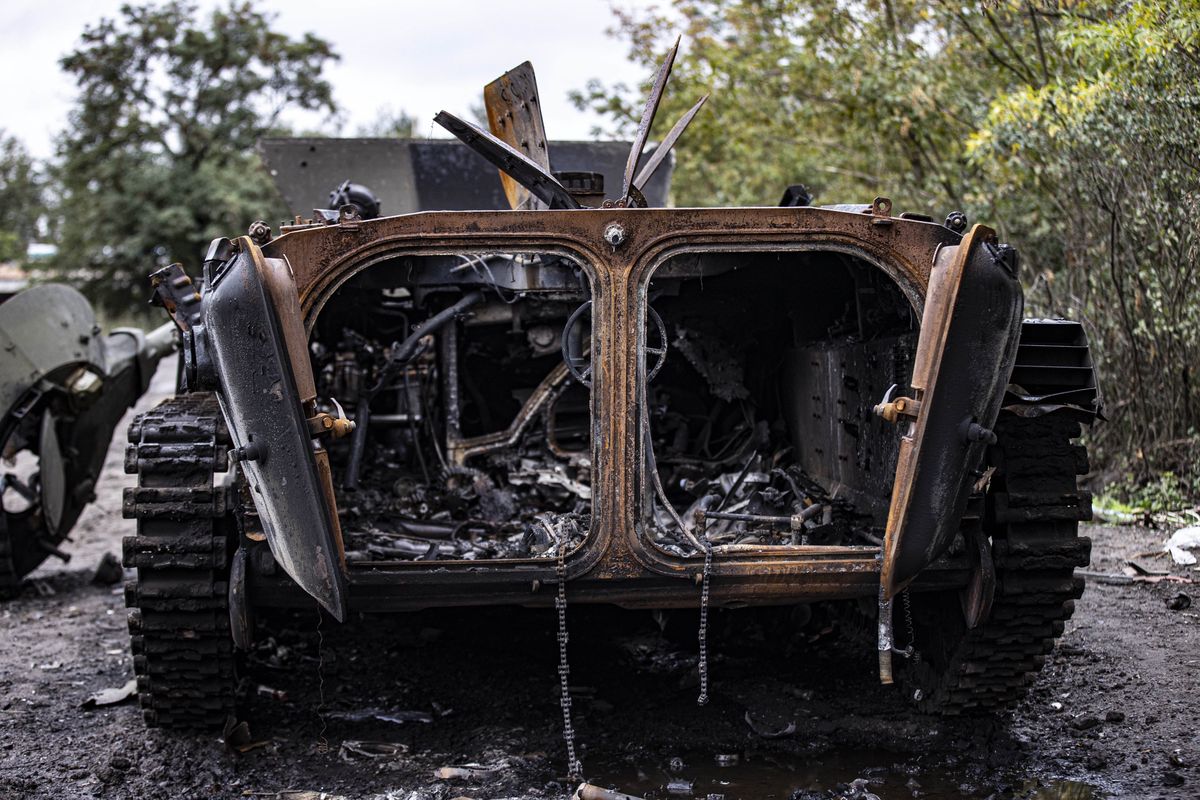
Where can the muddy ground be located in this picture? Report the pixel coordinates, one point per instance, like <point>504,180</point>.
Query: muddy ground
<point>1114,714</point>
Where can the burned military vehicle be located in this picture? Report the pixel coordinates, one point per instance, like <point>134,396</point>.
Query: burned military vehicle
<point>630,404</point>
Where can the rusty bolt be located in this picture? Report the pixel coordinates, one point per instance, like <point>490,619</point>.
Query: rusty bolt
<point>900,407</point>
<point>259,233</point>
<point>341,427</point>
<point>614,234</point>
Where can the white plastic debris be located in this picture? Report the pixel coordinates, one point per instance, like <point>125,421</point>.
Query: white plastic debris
<point>109,697</point>
<point>1181,542</point>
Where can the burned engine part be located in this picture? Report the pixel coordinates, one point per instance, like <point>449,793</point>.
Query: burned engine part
<point>64,388</point>
<point>467,428</point>
<point>399,355</point>
<point>357,195</point>
<point>572,346</point>
<point>740,423</point>
<point>713,359</point>
<point>796,195</point>
<point>586,187</point>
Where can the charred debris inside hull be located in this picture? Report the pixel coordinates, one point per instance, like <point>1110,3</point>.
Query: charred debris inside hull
<point>760,426</point>
<point>467,379</point>
<point>468,426</point>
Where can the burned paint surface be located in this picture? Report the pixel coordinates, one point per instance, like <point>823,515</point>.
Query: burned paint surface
<point>264,389</point>
<point>615,561</point>
<point>968,344</point>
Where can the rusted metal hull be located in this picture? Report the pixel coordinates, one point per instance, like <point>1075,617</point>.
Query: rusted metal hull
<point>616,563</point>
<point>404,587</point>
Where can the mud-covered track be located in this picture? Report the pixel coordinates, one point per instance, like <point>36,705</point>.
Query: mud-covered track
<point>178,605</point>
<point>1032,515</point>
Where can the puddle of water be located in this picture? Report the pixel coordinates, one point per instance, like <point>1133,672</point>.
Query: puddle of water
<point>1065,790</point>
<point>767,777</point>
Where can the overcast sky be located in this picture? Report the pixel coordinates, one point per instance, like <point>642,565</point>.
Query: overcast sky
<point>416,55</point>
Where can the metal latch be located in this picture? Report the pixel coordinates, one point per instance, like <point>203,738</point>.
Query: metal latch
<point>323,424</point>
<point>892,410</point>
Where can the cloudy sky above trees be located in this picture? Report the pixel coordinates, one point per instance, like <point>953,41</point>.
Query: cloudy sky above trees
<point>417,56</point>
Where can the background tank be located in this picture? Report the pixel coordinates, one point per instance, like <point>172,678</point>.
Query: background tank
<point>64,386</point>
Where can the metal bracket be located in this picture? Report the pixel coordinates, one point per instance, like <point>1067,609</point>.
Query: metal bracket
<point>322,424</point>
<point>980,590</point>
<point>881,209</point>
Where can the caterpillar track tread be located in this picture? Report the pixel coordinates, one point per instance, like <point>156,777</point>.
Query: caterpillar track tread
<point>178,604</point>
<point>961,670</point>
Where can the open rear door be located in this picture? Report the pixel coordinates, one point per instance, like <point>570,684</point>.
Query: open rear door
<point>969,332</point>
<point>258,349</point>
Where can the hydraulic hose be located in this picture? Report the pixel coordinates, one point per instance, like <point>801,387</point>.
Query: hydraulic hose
<point>399,357</point>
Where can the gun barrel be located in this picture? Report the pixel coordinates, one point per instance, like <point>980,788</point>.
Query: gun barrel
<point>160,342</point>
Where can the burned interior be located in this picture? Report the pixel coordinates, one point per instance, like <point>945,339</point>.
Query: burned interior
<point>761,416</point>
<point>469,424</point>
<point>467,376</point>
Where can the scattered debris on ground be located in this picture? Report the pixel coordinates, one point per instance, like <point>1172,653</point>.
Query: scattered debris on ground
<point>108,571</point>
<point>110,697</point>
<point>1181,543</point>
<point>1124,660</point>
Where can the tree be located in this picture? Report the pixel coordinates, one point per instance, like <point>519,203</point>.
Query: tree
<point>853,97</point>
<point>159,156</point>
<point>22,199</point>
<point>1072,126</point>
<point>1100,169</point>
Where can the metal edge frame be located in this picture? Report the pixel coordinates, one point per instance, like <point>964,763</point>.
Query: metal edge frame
<point>324,257</point>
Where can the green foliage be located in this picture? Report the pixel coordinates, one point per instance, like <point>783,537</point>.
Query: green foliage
<point>159,155</point>
<point>1097,174</point>
<point>1136,497</point>
<point>854,99</point>
<point>1073,126</point>
<point>22,199</point>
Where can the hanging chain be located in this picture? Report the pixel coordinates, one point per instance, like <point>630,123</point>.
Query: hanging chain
<point>558,531</point>
<point>908,622</point>
<point>322,742</point>
<point>703,636</point>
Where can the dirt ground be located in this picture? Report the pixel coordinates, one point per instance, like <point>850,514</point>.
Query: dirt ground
<point>372,708</point>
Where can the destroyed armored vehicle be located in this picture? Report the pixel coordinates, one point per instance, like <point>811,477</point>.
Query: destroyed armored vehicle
<point>64,387</point>
<point>652,407</point>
